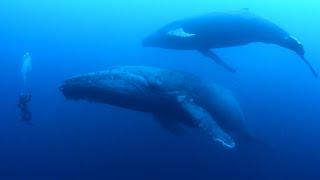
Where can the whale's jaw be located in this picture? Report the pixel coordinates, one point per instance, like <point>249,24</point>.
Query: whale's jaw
<point>72,92</point>
<point>151,41</point>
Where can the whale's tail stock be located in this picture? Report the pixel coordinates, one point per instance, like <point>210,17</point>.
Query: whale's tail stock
<point>295,45</point>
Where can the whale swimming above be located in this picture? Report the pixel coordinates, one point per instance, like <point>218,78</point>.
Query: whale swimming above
<point>176,99</point>
<point>221,30</point>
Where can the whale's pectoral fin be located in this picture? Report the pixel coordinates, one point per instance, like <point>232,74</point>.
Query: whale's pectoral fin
<point>204,120</point>
<point>217,59</point>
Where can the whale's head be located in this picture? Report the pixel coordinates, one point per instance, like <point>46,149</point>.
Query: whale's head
<point>156,39</point>
<point>113,86</point>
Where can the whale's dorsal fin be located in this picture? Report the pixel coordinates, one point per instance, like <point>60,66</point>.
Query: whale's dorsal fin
<point>180,32</point>
<point>203,119</point>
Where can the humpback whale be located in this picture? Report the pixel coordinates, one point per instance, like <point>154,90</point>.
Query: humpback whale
<point>175,98</point>
<point>220,30</point>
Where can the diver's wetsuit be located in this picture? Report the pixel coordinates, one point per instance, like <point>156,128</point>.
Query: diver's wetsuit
<point>23,101</point>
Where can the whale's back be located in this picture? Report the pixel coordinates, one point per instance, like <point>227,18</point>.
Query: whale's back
<point>217,30</point>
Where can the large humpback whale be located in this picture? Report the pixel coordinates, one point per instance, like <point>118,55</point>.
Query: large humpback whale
<point>220,30</point>
<point>174,98</point>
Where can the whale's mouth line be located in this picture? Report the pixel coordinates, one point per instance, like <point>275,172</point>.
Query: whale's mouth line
<point>69,92</point>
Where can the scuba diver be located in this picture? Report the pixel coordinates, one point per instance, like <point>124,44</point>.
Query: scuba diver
<point>25,96</point>
<point>23,102</point>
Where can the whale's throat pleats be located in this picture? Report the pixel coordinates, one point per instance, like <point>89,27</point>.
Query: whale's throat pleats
<point>203,119</point>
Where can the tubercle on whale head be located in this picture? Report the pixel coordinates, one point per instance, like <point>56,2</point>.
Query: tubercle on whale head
<point>70,89</point>
<point>105,85</point>
<point>79,87</point>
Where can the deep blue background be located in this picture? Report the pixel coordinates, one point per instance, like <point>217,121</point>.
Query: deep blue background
<point>79,140</point>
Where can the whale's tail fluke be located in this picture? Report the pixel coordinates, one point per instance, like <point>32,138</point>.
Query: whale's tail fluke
<point>314,72</point>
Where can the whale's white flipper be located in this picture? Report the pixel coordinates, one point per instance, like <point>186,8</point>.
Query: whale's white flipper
<point>204,120</point>
<point>180,33</point>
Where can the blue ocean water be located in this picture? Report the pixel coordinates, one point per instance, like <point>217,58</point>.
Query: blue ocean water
<point>79,140</point>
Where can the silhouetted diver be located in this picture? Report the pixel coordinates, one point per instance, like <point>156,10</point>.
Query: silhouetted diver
<point>24,100</point>
<point>25,96</point>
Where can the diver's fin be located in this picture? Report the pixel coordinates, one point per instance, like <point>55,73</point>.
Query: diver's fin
<point>310,66</point>
<point>217,59</point>
<point>204,120</point>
